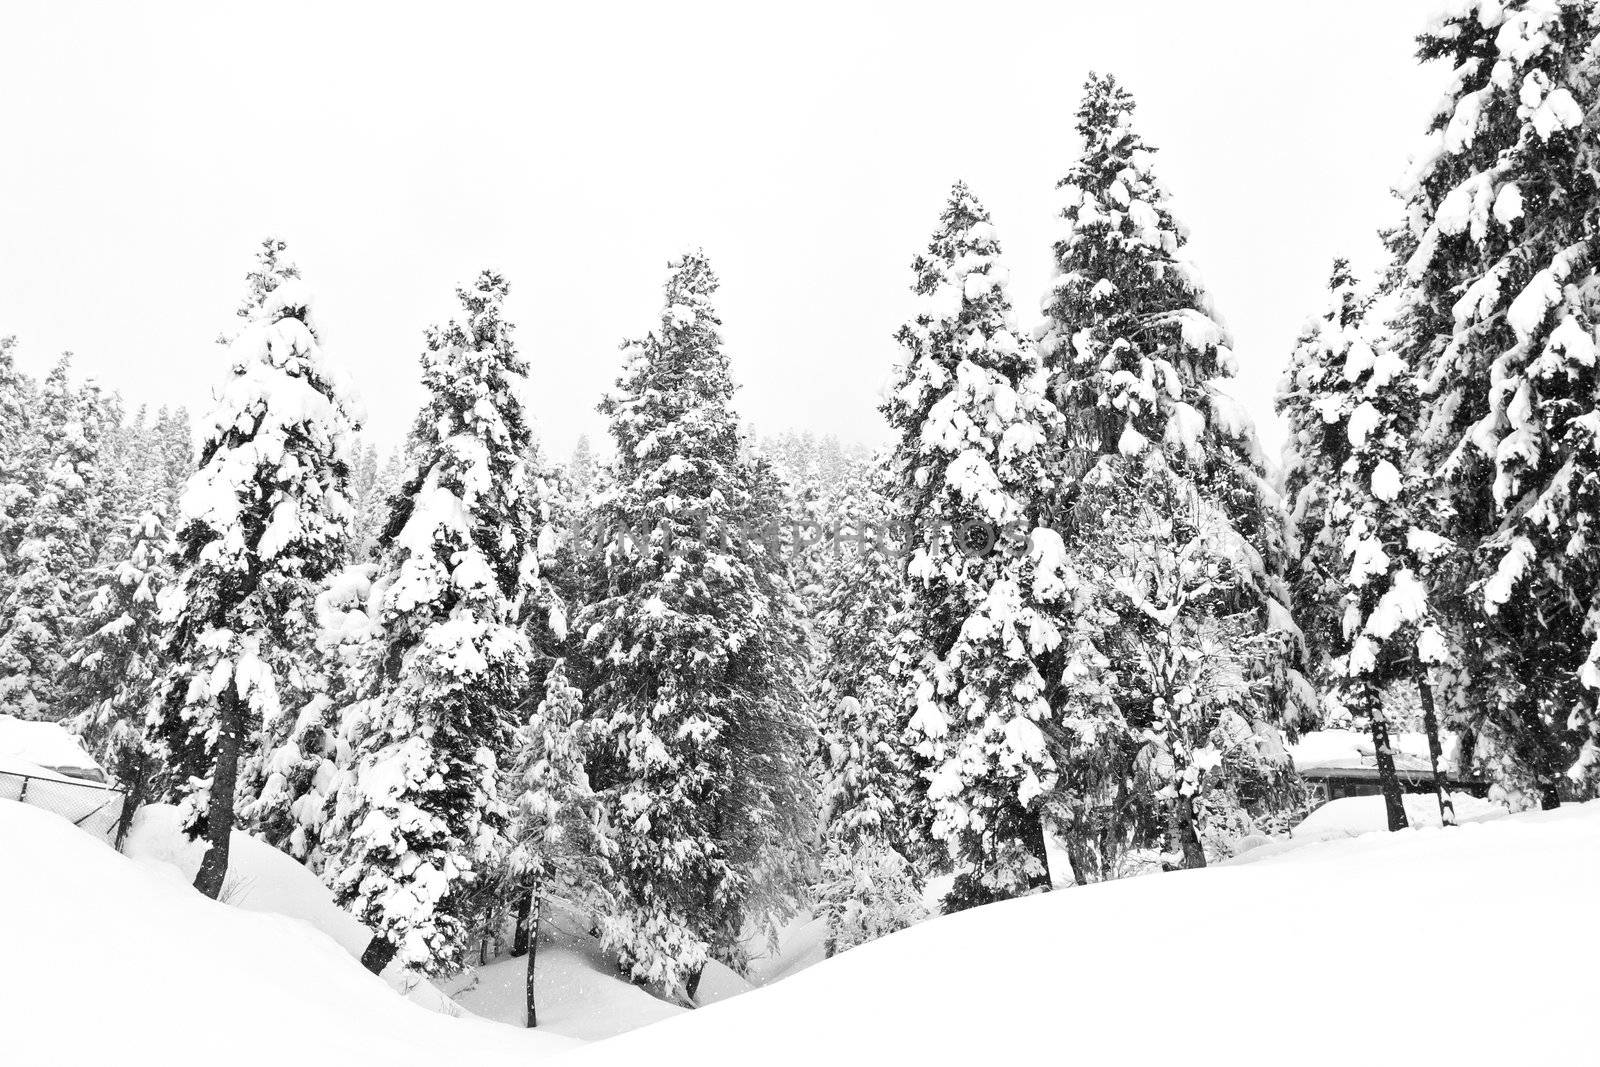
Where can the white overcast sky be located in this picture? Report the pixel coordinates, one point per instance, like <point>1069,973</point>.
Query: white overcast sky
<point>146,148</point>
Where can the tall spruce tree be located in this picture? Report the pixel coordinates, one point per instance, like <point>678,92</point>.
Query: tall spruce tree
<point>15,390</point>
<point>559,840</point>
<point>116,664</point>
<point>1498,268</point>
<point>1362,524</point>
<point>420,819</point>
<point>38,619</point>
<point>262,522</point>
<point>869,883</point>
<point>1141,367</point>
<point>969,473</point>
<point>687,646</point>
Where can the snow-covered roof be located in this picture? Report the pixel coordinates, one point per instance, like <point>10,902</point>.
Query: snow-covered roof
<point>44,745</point>
<point>1350,752</point>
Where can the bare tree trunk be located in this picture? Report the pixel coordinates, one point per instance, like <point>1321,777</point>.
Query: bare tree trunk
<point>1033,830</point>
<point>1078,854</point>
<point>133,799</point>
<point>378,953</point>
<point>219,813</point>
<point>1188,835</point>
<point>519,937</point>
<point>1394,807</point>
<point>1430,723</point>
<point>536,907</point>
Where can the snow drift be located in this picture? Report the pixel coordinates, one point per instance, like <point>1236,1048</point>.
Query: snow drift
<point>1323,953</point>
<point>1357,950</point>
<point>112,961</point>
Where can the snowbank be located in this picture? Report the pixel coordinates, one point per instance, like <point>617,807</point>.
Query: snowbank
<point>1272,962</point>
<point>1351,816</point>
<point>113,961</point>
<point>580,992</point>
<point>1282,952</point>
<point>260,878</point>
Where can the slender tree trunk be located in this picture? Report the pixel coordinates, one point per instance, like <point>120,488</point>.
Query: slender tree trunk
<point>1078,854</point>
<point>1394,807</point>
<point>537,910</point>
<point>1033,829</point>
<point>519,937</point>
<point>378,953</point>
<point>219,813</point>
<point>1183,825</point>
<point>133,799</point>
<point>693,985</point>
<point>1430,723</point>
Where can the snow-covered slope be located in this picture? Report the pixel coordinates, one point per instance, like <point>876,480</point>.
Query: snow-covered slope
<point>1285,959</point>
<point>106,960</point>
<point>1292,960</point>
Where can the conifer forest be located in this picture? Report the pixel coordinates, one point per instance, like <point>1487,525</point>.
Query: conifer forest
<point>1115,688</point>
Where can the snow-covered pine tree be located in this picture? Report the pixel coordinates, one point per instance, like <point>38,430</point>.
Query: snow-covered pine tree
<point>1498,263</point>
<point>1141,368</point>
<point>53,555</point>
<point>969,474</point>
<point>419,815</point>
<point>15,391</point>
<point>1140,361</point>
<point>262,522</point>
<point>582,469</point>
<point>366,500</point>
<point>869,883</point>
<point>1353,405</point>
<point>558,839</point>
<point>684,646</point>
<point>770,811</point>
<point>116,664</point>
<point>172,451</point>
<point>1187,652</point>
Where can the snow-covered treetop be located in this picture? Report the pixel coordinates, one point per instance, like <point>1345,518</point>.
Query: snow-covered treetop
<point>282,400</point>
<point>675,386</point>
<point>968,398</point>
<point>470,529</point>
<point>1131,336</point>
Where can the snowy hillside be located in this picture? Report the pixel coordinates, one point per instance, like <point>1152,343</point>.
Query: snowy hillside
<point>1281,965</point>
<point>168,976</point>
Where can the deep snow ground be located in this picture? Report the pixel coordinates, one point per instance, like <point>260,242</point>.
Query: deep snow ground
<point>1468,945</point>
<point>107,960</point>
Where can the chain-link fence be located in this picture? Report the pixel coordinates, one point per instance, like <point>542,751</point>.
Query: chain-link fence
<point>88,805</point>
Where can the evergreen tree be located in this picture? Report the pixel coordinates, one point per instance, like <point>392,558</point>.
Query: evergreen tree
<point>687,645</point>
<point>1138,356</point>
<point>973,424</point>
<point>1187,691</point>
<point>263,521</point>
<point>1497,264</point>
<point>366,497</point>
<point>38,620</point>
<point>15,391</point>
<point>582,469</point>
<point>558,841</point>
<point>172,452</point>
<point>871,839</point>
<point>1354,408</point>
<point>420,820</point>
<point>115,667</point>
